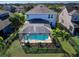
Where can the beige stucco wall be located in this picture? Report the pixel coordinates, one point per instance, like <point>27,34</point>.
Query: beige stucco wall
<point>67,19</point>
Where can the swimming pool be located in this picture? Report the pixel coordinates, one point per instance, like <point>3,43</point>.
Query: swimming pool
<point>36,36</point>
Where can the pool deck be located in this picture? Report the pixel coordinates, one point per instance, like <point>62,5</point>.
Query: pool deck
<point>37,41</point>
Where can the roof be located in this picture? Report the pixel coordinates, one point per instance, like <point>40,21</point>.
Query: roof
<point>74,12</point>
<point>36,28</point>
<point>40,9</point>
<point>4,23</point>
<point>71,8</point>
<point>4,12</point>
<point>75,25</point>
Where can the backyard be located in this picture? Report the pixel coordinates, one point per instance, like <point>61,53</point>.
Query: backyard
<point>16,50</point>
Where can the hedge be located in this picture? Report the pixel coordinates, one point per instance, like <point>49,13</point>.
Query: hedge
<point>42,50</point>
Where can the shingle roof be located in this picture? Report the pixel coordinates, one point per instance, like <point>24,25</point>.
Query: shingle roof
<point>70,8</point>
<point>75,25</point>
<point>4,23</point>
<point>74,12</point>
<point>40,9</point>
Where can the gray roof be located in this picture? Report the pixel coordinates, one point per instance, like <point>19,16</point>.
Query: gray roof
<point>40,9</point>
<point>36,29</point>
<point>75,25</point>
<point>4,23</point>
<point>74,12</point>
<point>70,8</point>
<point>3,12</point>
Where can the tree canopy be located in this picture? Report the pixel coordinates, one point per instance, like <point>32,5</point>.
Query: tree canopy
<point>17,19</point>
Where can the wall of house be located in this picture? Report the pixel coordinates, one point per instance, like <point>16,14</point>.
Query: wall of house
<point>65,19</point>
<point>49,17</point>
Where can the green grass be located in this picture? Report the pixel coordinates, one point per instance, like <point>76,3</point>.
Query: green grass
<point>16,50</point>
<point>76,40</point>
<point>67,47</point>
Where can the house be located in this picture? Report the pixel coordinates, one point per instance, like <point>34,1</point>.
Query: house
<point>9,7</point>
<point>69,18</point>
<point>5,24</point>
<point>20,9</point>
<point>38,25</point>
<point>41,12</point>
<point>4,15</point>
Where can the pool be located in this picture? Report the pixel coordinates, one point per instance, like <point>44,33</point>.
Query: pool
<point>36,36</point>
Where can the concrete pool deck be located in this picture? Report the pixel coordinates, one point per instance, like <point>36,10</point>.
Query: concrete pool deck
<point>37,41</point>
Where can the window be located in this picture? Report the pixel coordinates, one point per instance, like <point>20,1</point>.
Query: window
<point>27,16</point>
<point>75,18</point>
<point>70,27</point>
<point>50,16</point>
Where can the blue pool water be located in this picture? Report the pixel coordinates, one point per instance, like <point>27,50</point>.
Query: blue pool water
<point>36,37</point>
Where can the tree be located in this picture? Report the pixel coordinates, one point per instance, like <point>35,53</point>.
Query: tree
<point>65,35</point>
<point>1,43</point>
<point>56,32</point>
<point>17,20</point>
<point>60,33</point>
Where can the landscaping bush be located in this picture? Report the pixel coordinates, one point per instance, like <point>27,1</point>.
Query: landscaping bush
<point>42,50</point>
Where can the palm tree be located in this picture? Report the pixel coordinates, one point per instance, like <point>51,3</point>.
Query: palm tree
<point>56,32</point>
<point>65,35</point>
<point>17,20</point>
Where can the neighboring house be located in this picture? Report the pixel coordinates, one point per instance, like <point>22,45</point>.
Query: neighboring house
<point>37,26</point>
<point>69,18</point>
<point>4,15</point>
<point>20,9</point>
<point>5,24</point>
<point>10,8</point>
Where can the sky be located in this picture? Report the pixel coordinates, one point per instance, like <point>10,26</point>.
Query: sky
<point>2,2</point>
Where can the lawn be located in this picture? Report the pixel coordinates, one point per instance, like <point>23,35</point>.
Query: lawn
<point>76,40</point>
<point>67,47</point>
<point>16,50</point>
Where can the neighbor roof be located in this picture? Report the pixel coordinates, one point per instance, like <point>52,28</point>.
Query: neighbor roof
<point>75,25</point>
<point>40,9</point>
<point>4,23</point>
<point>74,12</point>
<point>70,8</point>
<point>3,12</point>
